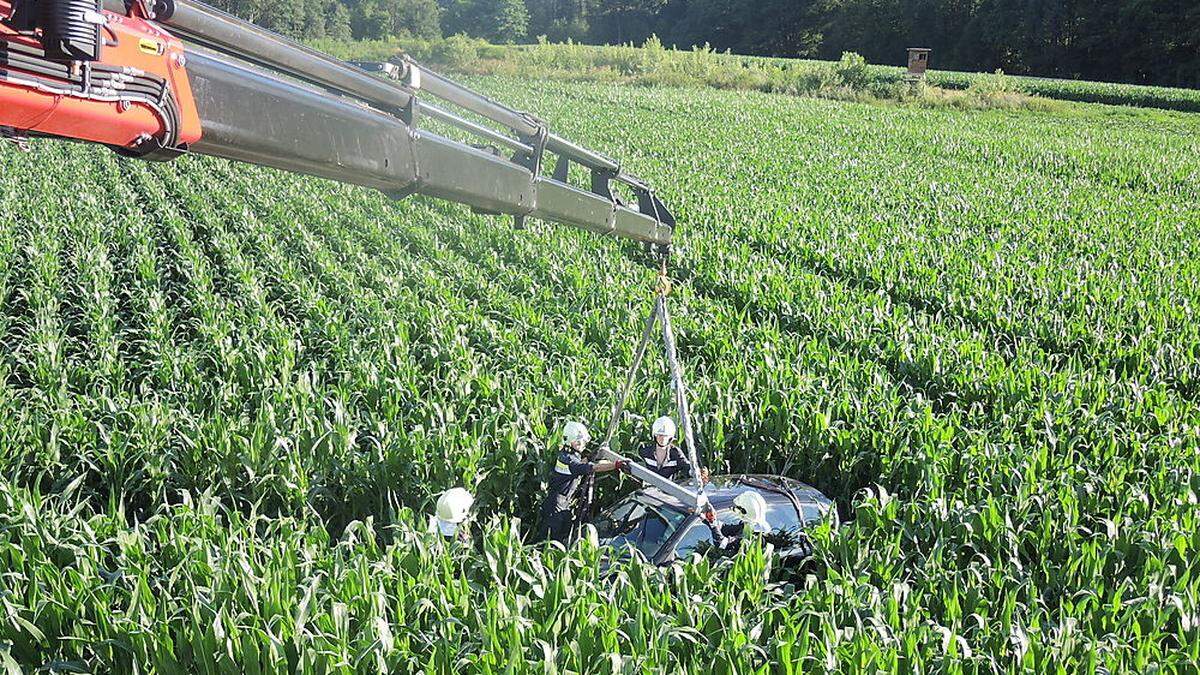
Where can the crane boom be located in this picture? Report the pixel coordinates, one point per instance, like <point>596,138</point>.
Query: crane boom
<point>159,78</point>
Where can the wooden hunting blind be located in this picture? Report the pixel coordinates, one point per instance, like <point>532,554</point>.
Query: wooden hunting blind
<point>918,62</point>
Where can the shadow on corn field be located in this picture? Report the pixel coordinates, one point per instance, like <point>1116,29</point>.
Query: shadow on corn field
<point>907,374</point>
<point>1083,348</point>
<point>1087,349</point>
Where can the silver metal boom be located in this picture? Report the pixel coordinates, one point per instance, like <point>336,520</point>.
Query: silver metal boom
<point>265,99</point>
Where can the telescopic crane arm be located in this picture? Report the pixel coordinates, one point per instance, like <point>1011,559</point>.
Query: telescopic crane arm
<point>158,78</point>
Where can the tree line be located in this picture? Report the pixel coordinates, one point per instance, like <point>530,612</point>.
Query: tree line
<point>341,19</point>
<point>1141,41</point>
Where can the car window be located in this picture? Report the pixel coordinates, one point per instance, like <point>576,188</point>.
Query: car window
<point>646,529</point>
<point>699,533</point>
<point>782,517</point>
<point>619,520</point>
<point>812,514</point>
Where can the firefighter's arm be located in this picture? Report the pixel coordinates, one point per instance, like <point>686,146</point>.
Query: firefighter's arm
<point>605,466</point>
<point>580,468</point>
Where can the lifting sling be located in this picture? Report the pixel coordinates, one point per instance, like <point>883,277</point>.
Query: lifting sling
<point>691,494</point>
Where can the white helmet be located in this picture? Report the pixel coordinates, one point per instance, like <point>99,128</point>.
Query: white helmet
<point>752,509</point>
<point>452,509</point>
<point>574,431</point>
<point>664,426</point>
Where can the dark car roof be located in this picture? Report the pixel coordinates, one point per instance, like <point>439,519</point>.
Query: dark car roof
<point>722,490</point>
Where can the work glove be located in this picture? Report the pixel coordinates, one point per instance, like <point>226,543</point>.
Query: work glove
<point>623,465</point>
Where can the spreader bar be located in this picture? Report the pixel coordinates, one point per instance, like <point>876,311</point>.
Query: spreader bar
<point>694,499</point>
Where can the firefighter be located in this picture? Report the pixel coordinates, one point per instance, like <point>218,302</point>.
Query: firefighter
<point>453,509</point>
<point>751,511</point>
<point>569,471</point>
<point>662,456</point>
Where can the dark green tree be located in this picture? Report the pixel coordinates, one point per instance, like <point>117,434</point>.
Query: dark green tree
<point>418,18</point>
<point>622,21</point>
<point>501,21</point>
<point>558,20</point>
<point>376,19</point>
<point>337,23</point>
<point>315,19</point>
<point>457,16</point>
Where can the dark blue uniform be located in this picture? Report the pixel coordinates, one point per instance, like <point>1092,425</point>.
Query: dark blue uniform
<point>676,462</point>
<point>568,472</point>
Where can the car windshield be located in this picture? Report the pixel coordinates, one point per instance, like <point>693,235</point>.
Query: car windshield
<point>640,525</point>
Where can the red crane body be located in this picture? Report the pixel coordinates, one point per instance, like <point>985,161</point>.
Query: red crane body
<point>69,100</point>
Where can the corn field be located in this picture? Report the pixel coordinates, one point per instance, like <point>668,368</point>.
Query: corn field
<point>229,397</point>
